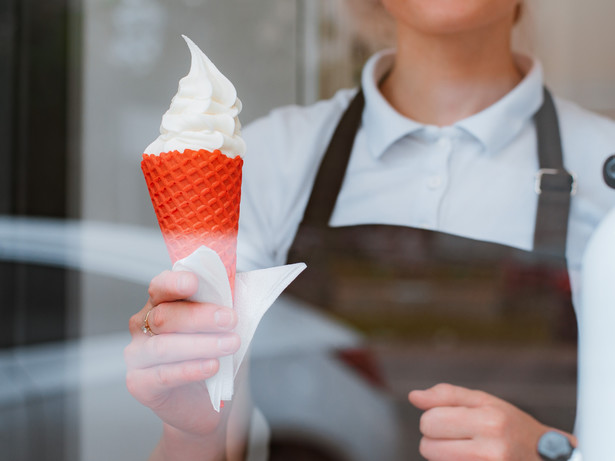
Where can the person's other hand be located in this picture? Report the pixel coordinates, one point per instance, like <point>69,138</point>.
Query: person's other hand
<point>166,372</point>
<point>460,424</point>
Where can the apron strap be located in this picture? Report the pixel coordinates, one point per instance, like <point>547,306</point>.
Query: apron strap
<point>333,166</point>
<point>554,184</point>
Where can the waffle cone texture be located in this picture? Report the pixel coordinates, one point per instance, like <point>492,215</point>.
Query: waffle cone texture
<point>196,196</point>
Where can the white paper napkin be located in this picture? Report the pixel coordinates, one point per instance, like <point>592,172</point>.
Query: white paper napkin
<point>255,292</point>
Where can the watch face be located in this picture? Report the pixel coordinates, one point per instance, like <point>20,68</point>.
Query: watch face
<point>609,171</point>
<point>554,446</point>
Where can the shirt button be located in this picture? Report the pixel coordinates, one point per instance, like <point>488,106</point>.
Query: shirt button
<point>445,143</point>
<point>434,182</point>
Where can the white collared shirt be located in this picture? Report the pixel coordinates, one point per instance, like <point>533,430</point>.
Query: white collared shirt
<point>474,178</point>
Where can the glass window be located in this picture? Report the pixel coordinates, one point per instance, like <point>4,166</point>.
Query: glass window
<point>83,85</point>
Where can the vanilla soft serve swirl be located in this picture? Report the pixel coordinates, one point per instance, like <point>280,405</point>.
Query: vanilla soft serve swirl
<point>203,113</point>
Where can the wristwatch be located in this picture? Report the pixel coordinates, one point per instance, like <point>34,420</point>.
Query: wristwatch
<point>554,446</point>
<point>608,171</point>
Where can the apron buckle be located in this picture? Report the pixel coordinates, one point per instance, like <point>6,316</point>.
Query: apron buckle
<point>555,180</point>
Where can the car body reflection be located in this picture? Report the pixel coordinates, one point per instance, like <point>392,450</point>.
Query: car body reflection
<point>67,400</point>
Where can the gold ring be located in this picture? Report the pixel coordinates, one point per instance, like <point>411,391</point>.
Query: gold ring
<point>145,328</point>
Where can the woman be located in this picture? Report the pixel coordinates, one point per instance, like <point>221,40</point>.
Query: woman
<point>444,138</point>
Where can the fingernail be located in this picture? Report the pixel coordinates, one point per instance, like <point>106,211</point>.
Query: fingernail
<point>207,367</point>
<point>228,344</point>
<point>223,318</point>
<point>183,283</point>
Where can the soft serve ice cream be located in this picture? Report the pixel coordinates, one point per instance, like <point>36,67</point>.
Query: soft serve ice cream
<point>193,174</point>
<point>193,170</point>
<point>203,113</point>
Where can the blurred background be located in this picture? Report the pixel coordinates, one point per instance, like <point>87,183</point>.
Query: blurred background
<point>83,85</point>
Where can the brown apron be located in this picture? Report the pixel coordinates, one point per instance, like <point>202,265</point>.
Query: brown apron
<point>447,308</point>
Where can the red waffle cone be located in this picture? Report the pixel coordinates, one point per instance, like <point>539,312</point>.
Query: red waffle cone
<point>196,198</point>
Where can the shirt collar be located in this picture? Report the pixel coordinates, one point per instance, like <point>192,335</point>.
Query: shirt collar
<point>501,122</point>
<point>494,126</point>
<point>383,125</point>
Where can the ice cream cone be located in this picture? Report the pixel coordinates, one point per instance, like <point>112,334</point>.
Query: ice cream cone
<point>196,196</point>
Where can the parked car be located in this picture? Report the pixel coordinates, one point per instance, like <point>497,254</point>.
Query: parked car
<point>66,399</point>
